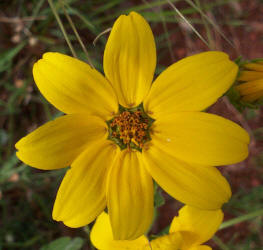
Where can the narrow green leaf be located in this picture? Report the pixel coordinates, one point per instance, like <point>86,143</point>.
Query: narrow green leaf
<point>64,243</point>
<point>7,56</point>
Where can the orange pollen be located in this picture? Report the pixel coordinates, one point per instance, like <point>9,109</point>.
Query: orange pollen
<point>130,127</point>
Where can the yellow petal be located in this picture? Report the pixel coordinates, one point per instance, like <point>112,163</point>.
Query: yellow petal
<point>130,59</point>
<point>250,75</point>
<point>192,84</point>
<point>202,223</point>
<point>102,238</point>
<point>253,96</point>
<point>129,197</point>
<point>171,241</point>
<point>57,143</point>
<point>188,239</point>
<point>82,194</point>
<point>200,186</point>
<point>250,87</point>
<point>251,91</point>
<point>201,138</point>
<point>72,86</point>
<point>254,66</point>
<point>203,247</point>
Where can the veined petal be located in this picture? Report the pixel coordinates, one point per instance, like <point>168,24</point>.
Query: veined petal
<point>129,197</point>
<point>57,143</point>
<point>102,238</point>
<point>82,194</point>
<point>250,75</point>
<point>202,223</point>
<point>192,84</point>
<point>254,66</point>
<point>72,86</point>
<point>251,91</point>
<point>201,138</point>
<point>171,241</point>
<point>199,186</point>
<point>253,96</point>
<point>130,59</point>
<point>250,87</point>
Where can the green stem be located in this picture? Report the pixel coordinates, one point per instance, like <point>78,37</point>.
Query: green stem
<point>76,34</point>
<point>99,35</point>
<point>207,28</point>
<point>220,243</point>
<point>210,21</point>
<point>166,33</point>
<point>240,219</point>
<point>188,23</point>
<point>62,27</point>
<point>35,13</point>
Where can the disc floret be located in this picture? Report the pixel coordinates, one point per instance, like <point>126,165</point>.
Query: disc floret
<point>130,128</point>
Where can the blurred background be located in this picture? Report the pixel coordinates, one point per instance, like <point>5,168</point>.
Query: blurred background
<point>29,28</point>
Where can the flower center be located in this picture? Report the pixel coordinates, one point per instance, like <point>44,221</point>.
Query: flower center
<point>130,128</point>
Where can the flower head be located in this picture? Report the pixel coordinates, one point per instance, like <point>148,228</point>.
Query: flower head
<point>251,76</point>
<point>122,130</point>
<point>188,231</point>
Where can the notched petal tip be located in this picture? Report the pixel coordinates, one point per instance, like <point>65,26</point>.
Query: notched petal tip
<point>49,55</point>
<point>46,57</point>
<point>54,56</point>
<point>19,143</point>
<point>132,14</point>
<point>55,216</point>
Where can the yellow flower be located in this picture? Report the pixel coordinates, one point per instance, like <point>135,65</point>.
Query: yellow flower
<point>252,76</point>
<point>158,131</point>
<point>188,231</point>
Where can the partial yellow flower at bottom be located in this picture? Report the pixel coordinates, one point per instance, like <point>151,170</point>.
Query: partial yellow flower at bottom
<point>252,77</point>
<point>123,130</point>
<point>188,231</point>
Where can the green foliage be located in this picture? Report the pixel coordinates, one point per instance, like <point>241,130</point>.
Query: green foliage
<point>6,57</point>
<point>27,194</point>
<point>158,197</point>
<point>9,168</point>
<point>235,98</point>
<point>246,201</point>
<point>64,243</point>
